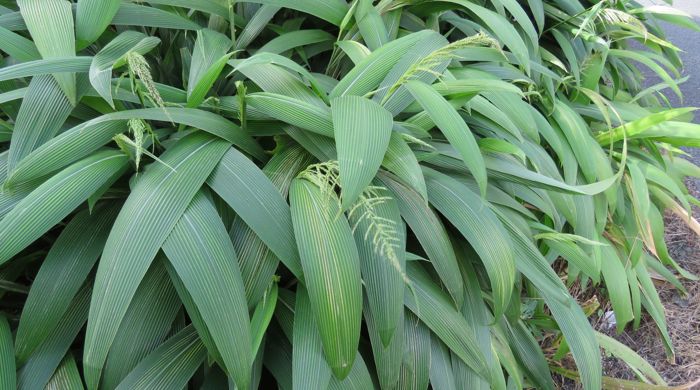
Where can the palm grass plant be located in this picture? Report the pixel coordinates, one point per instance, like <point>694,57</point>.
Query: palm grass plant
<point>312,194</point>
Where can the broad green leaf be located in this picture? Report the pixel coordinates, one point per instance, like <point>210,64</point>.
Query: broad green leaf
<point>53,200</point>
<point>402,162</point>
<point>472,216</point>
<point>42,113</point>
<point>433,307</point>
<point>259,203</point>
<point>170,365</point>
<point>92,18</point>
<point>431,234</point>
<point>65,269</point>
<point>7,355</point>
<point>145,326</point>
<point>54,35</point>
<point>415,367</point>
<point>154,206</point>
<point>259,264</point>
<point>447,119</point>
<point>66,377</point>
<point>141,15</point>
<point>41,365</point>
<point>359,161</point>
<point>113,55</point>
<point>309,367</point>
<point>332,11</point>
<point>18,46</point>
<point>368,73</point>
<point>293,39</point>
<point>370,24</point>
<point>293,111</point>
<point>208,60</point>
<point>87,137</point>
<point>261,318</point>
<point>203,257</point>
<point>45,66</point>
<point>381,243</point>
<point>358,379</point>
<point>441,376</point>
<point>387,359</point>
<point>331,269</point>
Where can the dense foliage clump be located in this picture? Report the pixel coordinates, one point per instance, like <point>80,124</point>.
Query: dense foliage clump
<point>318,194</point>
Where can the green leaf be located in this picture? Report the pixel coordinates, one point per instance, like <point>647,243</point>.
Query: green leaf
<point>427,301</point>
<point>92,18</point>
<point>453,127</point>
<point>45,66</point>
<point>42,113</point>
<point>170,366</point>
<point>309,367</point>
<point>293,111</point>
<point>258,264</point>
<point>18,46</point>
<point>641,367</point>
<point>331,270</point>
<point>371,25</point>
<point>7,355</point>
<point>431,235</point>
<point>261,318</point>
<point>53,200</point>
<point>472,216</point>
<point>294,39</point>
<point>63,272</point>
<point>87,137</point>
<point>259,203</point>
<point>368,73</point>
<point>154,206</point>
<point>387,359</point>
<point>145,326</point>
<point>203,257</point>
<point>359,161</point>
<point>114,54</point>
<point>66,377</point>
<point>332,11</point>
<point>415,368</point>
<point>381,243</point>
<point>42,364</point>
<point>208,60</point>
<point>54,36</point>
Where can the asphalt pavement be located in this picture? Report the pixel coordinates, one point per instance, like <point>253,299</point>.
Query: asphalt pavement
<point>689,42</point>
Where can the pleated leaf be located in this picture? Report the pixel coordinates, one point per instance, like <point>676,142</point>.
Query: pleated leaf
<point>113,54</point>
<point>331,270</point>
<point>431,234</point>
<point>42,363</point>
<point>170,365</point>
<point>154,206</point>
<point>258,263</point>
<point>447,119</point>
<point>92,18</point>
<point>64,270</point>
<point>309,367</point>
<point>361,141</point>
<point>202,254</point>
<point>8,379</point>
<point>472,216</point>
<point>66,377</point>
<point>259,203</point>
<point>208,60</point>
<point>53,200</point>
<point>434,308</point>
<point>50,23</point>
<point>145,326</point>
